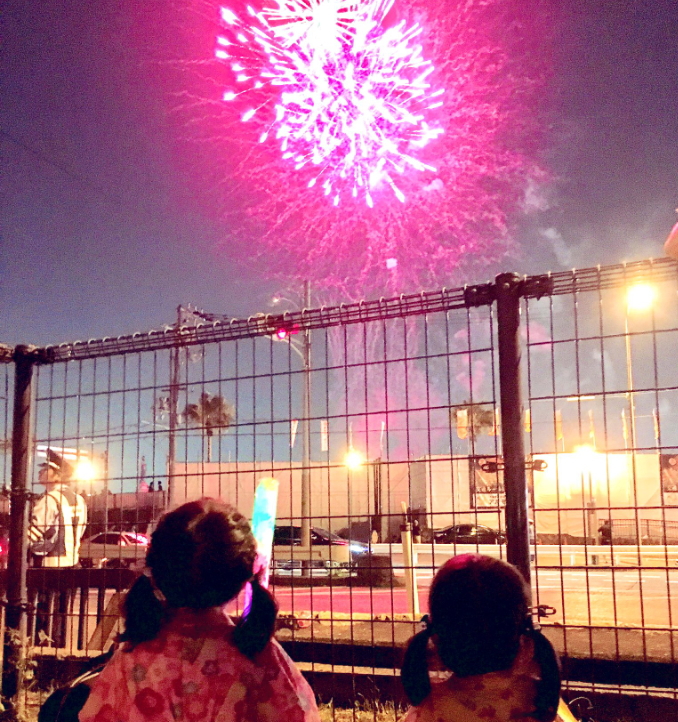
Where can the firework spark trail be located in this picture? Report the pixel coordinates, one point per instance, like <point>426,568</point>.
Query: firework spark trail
<point>494,59</point>
<point>347,98</point>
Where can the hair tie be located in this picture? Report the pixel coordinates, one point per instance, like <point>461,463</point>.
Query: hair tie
<point>148,573</point>
<point>428,624</point>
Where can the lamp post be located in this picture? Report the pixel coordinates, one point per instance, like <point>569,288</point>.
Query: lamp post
<point>639,297</point>
<point>303,350</point>
<point>353,461</point>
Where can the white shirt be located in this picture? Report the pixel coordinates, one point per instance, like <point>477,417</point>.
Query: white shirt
<point>54,511</point>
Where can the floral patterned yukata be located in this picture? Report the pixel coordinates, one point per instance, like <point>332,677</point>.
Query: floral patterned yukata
<point>192,672</point>
<point>495,697</point>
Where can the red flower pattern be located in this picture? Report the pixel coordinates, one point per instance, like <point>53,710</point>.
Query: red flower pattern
<point>193,673</point>
<point>149,702</point>
<point>106,714</point>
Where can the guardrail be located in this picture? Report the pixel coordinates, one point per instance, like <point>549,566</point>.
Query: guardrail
<point>432,556</point>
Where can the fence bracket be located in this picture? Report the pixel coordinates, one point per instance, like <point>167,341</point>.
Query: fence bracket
<point>537,287</point>
<point>483,294</point>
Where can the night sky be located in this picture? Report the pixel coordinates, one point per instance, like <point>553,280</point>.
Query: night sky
<point>104,232</point>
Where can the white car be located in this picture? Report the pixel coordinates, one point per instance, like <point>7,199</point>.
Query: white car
<point>114,549</point>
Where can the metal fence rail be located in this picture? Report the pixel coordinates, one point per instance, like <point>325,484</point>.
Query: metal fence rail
<point>513,418</point>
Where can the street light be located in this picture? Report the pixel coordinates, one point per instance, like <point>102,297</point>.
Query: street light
<point>284,333</point>
<point>85,471</point>
<point>639,298</point>
<point>353,459</point>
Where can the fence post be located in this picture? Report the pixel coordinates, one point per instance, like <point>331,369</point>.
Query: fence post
<point>508,293</point>
<point>14,658</point>
<point>174,362</point>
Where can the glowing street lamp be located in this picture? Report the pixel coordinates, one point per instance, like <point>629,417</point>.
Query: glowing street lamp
<point>353,460</point>
<point>640,297</point>
<point>85,471</point>
<point>585,455</point>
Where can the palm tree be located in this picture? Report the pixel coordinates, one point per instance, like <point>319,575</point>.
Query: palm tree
<point>479,418</point>
<point>210,414</point>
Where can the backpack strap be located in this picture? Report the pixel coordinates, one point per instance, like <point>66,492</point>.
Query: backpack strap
<point>72,499</point>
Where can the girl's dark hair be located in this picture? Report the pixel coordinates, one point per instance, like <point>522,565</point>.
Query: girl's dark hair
<point>200,556</point>
<point>478,613</point>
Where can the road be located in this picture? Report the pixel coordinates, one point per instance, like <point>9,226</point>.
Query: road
<point>624,597</point>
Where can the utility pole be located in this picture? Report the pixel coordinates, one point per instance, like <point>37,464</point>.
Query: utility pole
<point>306,433</point>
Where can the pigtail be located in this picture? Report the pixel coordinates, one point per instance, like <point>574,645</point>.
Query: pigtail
<point>255,630</point>
<point>143,612</point>
<point>548,687</point>
<point>414,672</point>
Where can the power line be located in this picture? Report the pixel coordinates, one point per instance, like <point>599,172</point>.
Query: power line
<point>55,164</point>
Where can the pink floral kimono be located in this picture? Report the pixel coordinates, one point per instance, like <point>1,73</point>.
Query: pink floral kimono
<point>192,672</point>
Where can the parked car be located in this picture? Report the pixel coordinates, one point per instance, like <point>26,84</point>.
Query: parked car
<point>468,534</point>
<point>114,549</point>
<point>329,552</point>
<point>284,535</point>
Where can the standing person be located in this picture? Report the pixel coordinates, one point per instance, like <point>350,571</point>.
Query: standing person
<point>58,522</point>
<point>605,532</point>
<point>496,665</point>
<point>59,516</point>
<point>182,658</point>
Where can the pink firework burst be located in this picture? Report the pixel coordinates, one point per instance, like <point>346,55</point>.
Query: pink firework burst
<point>346,96</point>
<point>492,57</point>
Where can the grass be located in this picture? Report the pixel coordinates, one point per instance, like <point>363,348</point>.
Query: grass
<point>360,713</point>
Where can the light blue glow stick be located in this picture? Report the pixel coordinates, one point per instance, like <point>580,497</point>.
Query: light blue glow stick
<point>263,525</point>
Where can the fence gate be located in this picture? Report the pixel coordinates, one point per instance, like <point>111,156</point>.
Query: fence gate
<point>535,419</point>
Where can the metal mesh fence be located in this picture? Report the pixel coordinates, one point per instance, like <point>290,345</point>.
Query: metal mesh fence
<point>376,419</point>
<point>601,391</point>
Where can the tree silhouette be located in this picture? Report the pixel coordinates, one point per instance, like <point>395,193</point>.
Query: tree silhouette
<point>210,414</point>
<point>479,418</point>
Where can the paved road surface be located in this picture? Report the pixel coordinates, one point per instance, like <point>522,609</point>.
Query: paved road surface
<point>628,597</point>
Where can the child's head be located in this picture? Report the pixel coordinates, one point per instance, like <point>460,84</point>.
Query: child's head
<point>479,609</point>
<point>200,556</point>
